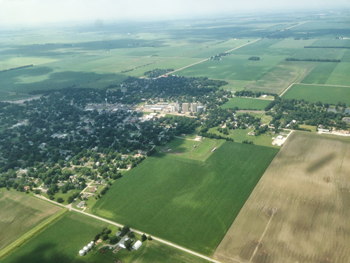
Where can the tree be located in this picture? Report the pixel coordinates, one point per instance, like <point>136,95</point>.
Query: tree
<point>37,191</point>
<point>113,240</point>
<point>105,237</point>
<point>150,238</point>
<point>143,238</point>
<point>60,200</point>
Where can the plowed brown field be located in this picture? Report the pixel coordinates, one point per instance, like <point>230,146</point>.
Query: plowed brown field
<point>299,212</point>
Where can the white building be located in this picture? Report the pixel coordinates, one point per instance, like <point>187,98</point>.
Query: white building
<point>194,107</point>
<point>137,245</point>
<point>185,107</point>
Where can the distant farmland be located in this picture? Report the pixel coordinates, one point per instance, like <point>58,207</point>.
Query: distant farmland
<point>314,93</point>
<point>299,210</point>
<point>19,214</point>
<point>189,202</point>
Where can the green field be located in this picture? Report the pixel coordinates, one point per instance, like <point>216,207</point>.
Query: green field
<point>191,203</point>
<point>19,214</point>
<point>61,242</point>
<point>314,93</point>
<point>282,76</point>
<point>320,74</point>
<point>246,103</point>
<point>233,67</point>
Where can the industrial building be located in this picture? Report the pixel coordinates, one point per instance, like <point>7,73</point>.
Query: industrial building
<point>185,107</point>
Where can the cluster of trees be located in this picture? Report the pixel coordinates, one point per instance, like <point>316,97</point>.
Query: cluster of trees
<point>304,112</point>
<point>313,60</point>
<point>252,94</point>
<point>218,56</point>
<point>254,58</point>
<point>157,72</point>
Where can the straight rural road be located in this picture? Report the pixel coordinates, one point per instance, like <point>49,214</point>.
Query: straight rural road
<point>209,58</point>
<point>136,231</point>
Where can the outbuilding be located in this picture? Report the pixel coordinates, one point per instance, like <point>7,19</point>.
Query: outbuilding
<point>137,245</point>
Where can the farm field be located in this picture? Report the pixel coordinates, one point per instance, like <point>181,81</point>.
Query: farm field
<point>314,93</point>
<point>199,200</point>
<point>298,211</point>
<point>282,76</point>
<point>233,67</point>
<point>61,242</point>
<point>320,74</point>
<point>19,214</point>
<point>246,103</point>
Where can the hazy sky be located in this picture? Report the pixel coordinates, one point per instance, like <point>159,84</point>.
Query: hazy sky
<point>39,11</point>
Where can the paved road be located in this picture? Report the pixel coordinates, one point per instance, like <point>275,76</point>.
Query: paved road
<point>136,231</point>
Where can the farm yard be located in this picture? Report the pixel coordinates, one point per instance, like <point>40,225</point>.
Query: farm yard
<point>19,214</point>
<point>189,202</point>
<point>323,93</point>
<point>298,211</point>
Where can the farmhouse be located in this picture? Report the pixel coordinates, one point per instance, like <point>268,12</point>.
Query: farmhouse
<point>93,190</point>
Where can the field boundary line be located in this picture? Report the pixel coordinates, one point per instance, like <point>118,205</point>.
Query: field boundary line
<point>136,231</point>
<point>32,233</point>
<point>274,210</point>
<point>209,58</point>
<point>326,85</point>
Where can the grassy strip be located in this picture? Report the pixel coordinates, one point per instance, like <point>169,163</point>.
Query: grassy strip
<point>32,233</point>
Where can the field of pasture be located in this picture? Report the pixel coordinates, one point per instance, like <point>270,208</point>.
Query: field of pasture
<point>326,94</point>
<point>189,202</point>
<point>19,214</point>
<point>298,211</point>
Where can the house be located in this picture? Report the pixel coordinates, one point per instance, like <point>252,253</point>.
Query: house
<point>26,188</point>
<point>81,204</point>
<point>93,190</point>
<point>279,137</point>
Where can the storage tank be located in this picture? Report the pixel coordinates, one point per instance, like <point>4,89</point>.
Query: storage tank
<point>86,249</point>
<point>82,252</point>
<point>89,246</point>
<point>92,243</point>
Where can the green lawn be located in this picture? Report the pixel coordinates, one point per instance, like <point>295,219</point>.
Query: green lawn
<point>204,148</point>
<point>325,94</point>
<point>240,135</point>
<point>191,203</point>
<point>246,103</point>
